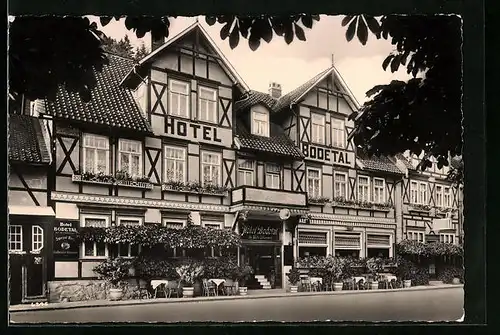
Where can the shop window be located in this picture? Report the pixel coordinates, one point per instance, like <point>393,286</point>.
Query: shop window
<point>92,249</point>
<point>377,252</point>
<point>312,251</point>
<point>95,153</point>
<point>36,238</point>
<point>15,238</point>
<point>179,98</point>
<point>207,105</point>
<point>246,171</point>
<point>175,164</point>
<point>346,253</point>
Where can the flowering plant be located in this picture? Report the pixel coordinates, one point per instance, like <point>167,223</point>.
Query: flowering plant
<point>189,272</point>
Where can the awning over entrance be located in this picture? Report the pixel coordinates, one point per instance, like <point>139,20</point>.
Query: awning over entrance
<point>270,210</point>
<point>31,210</point>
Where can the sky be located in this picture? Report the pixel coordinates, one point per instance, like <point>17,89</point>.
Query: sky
<point>292,65</point>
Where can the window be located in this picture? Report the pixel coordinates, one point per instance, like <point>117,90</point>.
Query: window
<point>179,98</point>
<point>312,243</point>
<point>212,224</point>
<point>347,244</point>
<point>340,185</point>
<point>273,176</point>
<point>36,238</point>
<point>415,236</point>
<point>175,164</point>
<point>318,128</point>
<point>174,224</point>
<point>439,196</point>
<point>95,153</point>
<point>447,197</point>
<point>314,182</point>
<point>378,190</point>
<point>363,189</point>
<point>422,193</point>
<point>207,105</point>
<point>129,221</point>
<point>15,238</point>
<point>130,160</point>
<point>246,172</point>
<point>447,238</point>
<point>260,123</point>
<point>92,249</point>
<point>338,133</point>
<point>210,167</point>
<point>414,192</point>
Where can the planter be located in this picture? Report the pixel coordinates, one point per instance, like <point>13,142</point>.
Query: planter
<point>115,294</point>
<point>294,289</point>
<point>188,292</point>
<point>135,184</point>
<point>406,283</point>
<point>455,281</point>
<point>374,285</point>
<point>242,290</point>
<point>79,179</point>
<point>338,286</point>
<point>166,188</point>
<point>198,289</point>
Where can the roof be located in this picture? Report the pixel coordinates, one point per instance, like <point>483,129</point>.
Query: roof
<point>111,105</point>
<point>381,163</point>
<point>196,25</point>
<point>405,161</point>
<point>26,142</point>
<point>277,143</point>
<point>254,98</point>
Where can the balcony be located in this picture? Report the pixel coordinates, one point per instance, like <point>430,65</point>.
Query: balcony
<point>251,195</point>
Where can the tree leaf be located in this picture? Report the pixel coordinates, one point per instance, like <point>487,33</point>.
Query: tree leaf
<point>349,34</point>
<point>288,34</point>
<point>373,25</point>
<point>210,20</point>
<point>386,61</point>
<point>267,31</point>
<point>253,43</point>
<point>375,89</point>
<point>362,31</point>
<point>224,32</point>
<point>307,21</point>
<point>300,33</point>
<point>234,38</point>
<point>346,20</point>
<point>396,61</point>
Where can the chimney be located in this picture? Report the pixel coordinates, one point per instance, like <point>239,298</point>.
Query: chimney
<point>275,90</point>
<point>156,42</point>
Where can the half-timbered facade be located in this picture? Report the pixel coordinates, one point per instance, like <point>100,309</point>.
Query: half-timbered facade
<point>30,217</point>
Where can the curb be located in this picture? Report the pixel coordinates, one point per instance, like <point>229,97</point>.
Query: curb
<point>107,303</point>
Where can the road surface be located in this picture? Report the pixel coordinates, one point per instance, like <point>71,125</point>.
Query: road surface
<point>424,305</point>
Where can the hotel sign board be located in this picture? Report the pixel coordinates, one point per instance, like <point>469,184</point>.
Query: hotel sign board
<point>198,132</point>
<point>262,231</point>
<point>328,155</point>
<point>65,239</point>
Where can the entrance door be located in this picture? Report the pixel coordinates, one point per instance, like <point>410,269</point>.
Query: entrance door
<point>34,269</point>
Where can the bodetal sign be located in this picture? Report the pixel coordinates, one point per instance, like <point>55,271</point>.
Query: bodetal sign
<point>257,231</point>
<point>328,155</point>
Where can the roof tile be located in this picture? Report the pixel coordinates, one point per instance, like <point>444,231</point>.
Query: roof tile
<point>381,163</point>
<point>26,143</point>
<point>111,105</point>
<point>253,98</point>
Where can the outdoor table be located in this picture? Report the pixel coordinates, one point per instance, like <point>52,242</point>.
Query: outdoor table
<point>155,284</point>
<point>357,280</point>
<point>316,280</point>
<point>217,282</point>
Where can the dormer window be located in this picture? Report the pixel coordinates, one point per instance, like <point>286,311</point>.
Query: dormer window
<point>260,122</point>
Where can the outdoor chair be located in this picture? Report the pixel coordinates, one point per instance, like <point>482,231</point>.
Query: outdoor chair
<point>392,284</point>
<point>143,289</point>
<point>173,287</point>
<point>305,284</point>
<point>327,285</point>
<point>361,285</point>
<point>229,287</point>
<point>161,288</point>
<point>209,288</point>
<point>350,284</point>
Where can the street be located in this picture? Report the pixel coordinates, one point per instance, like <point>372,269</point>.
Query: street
<point>424,305</point>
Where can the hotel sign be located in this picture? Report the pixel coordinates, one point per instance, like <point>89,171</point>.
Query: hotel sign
<point>327,155</point>
<point>185,129</point>
<point>65,239</point>
<point>259,231</point>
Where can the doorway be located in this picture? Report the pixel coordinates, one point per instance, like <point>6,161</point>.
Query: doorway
<point>265,260</point>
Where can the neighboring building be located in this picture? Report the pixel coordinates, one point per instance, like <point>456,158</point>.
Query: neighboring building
<point>30,218</point>
<point>199,143</point>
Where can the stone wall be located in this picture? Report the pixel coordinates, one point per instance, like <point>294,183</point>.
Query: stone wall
<point>80,290</point>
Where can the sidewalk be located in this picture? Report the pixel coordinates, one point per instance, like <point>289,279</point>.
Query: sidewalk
<point>252,294</point>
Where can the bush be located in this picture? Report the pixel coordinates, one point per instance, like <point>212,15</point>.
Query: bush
<point>150,268</point>
<point>114,271</point>
<point>408,270</point>
<point>447,273</point>
<point>222,267</point>
<point>294,276</point>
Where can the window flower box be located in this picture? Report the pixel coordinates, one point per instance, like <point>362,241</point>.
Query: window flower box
<point>195,188</point>
<point>419,208</point>
<point>135,184</point>
<point>99,179</point>
<point>445,210</point>
<point>354,204</point>
<point>321,201</point>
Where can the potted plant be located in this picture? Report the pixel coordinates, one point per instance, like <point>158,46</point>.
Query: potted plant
<point>373,266</point>
<point>404,271</point>
<point>243,274</point>
<point>337,273</point>
<point>188,274</point>
<point>294,278</point>
<point>114,271</point>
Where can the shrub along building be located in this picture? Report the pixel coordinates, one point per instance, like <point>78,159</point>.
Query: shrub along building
<point>179,136</point>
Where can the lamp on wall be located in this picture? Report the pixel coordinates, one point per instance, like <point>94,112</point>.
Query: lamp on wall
<point>350,228</point>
